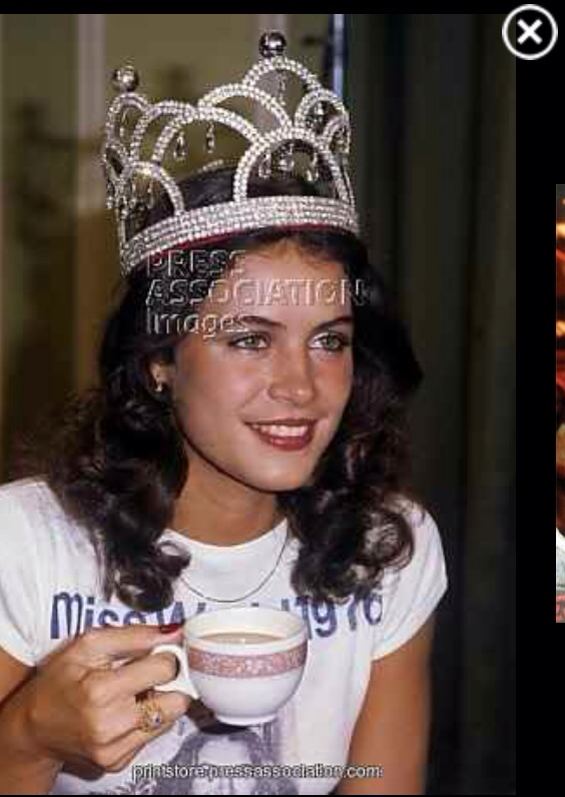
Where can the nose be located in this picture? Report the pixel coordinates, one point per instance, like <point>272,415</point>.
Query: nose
<point>292,379</point>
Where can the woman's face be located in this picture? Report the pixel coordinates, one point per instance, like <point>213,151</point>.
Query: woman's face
<point>260,399</point>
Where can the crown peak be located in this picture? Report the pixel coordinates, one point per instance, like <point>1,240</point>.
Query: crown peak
<point>271,44</point>
<point>125,78</point>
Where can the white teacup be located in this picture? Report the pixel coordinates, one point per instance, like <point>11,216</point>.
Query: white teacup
<point>229,664</point>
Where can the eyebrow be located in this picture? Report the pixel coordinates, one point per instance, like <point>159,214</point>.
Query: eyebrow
<point>267,322</point>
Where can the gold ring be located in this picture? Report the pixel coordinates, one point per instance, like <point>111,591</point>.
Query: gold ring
<point>150,713</point>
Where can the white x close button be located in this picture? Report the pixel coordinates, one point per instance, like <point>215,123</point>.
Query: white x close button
<point>529,32</point>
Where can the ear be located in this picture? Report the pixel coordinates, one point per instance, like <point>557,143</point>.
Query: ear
<point>160,371</point>
<point>157,371</point>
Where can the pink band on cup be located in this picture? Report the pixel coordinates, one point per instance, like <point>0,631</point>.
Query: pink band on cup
<point>233,666</point>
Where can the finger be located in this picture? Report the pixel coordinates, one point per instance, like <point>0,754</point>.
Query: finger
<point>172,705</point>
<point>137,676</point>
<point>98,646</point>
<point>122,717</point>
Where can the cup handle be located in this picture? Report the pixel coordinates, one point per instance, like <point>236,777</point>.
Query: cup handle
<point>182,682</point>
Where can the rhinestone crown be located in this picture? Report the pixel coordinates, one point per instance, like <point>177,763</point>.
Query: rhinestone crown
<point>134,151</point>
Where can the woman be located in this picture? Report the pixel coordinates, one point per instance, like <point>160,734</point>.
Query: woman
<point>254,453</point>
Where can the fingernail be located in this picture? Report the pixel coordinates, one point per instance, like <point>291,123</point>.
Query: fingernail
<point>170,628</point>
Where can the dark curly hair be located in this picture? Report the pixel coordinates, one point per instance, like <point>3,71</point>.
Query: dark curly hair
<point>117,463</point>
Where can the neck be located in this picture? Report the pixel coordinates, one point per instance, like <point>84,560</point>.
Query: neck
<point>215,508</point>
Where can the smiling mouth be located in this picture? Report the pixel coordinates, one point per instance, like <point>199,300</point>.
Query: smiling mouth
<point>290,435</point>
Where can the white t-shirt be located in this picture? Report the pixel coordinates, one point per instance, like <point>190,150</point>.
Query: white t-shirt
<point>50,590</point>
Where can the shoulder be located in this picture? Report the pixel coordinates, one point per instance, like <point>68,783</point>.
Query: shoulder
<point>425,532</point>
<point>30,499</point>
<point>422,523</point>
<point>31,515</point>
<point>411,590</point>
<point>45,557</point>
<point>414,512</point>
<point>30,488</point>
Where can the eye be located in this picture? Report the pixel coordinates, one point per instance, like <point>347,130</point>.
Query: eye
<point>333,342</point>
<point>249,342</point>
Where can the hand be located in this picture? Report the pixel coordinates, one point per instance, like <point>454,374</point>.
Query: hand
<point>82,706</point>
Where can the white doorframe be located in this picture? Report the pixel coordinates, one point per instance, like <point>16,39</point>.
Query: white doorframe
<point>90,199</point>
<point>91,101</point>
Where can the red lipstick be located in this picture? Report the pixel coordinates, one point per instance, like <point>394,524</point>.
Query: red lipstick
<point>287,434</point>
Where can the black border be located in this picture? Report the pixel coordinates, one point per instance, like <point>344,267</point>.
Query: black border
<point>540,152</point>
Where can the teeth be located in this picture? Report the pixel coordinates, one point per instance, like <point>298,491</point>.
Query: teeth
<point>281,431</point>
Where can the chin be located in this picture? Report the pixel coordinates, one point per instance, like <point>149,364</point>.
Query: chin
<point>279,482</point>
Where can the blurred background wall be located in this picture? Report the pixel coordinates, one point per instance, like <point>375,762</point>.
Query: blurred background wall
<point>432,100</point>
<point>433,103</point>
